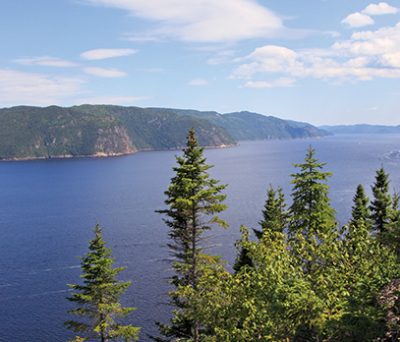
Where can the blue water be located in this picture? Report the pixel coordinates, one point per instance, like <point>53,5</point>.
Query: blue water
<point>48,208</point>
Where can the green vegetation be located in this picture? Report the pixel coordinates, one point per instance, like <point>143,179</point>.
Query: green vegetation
<point>98,298</point>
<point>303,277</point>
<point>194,201</point>
<point>104,130</point>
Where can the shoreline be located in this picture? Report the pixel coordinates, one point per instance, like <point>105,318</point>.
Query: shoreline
<point>101,155</point>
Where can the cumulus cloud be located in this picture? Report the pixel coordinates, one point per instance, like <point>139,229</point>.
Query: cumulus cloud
<point>18,88</point>
<point>380,9</point>
<point>366,55</point>
<point>104,72</point>
<point>98,54</point>
<point>358,20</point>
<point>202,20</point>
<point>198,82</point>
<point>45,61</point>
<point>363,18</point>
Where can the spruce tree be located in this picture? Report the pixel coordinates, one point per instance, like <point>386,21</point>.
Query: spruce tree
<point>360,224</point>
<point>311,213</point>
<point>315,243</point>
<point>360,210</point>
<point>391,236</point>
<point>98,298</point>
<point>382,202</point>
<point>194,200</point>
<point>275,216</point>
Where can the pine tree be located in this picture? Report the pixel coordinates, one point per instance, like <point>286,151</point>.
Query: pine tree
<point>194,201</point>
<point>360,210</point>
<point>382,201</point>
<point>275,219</point>
<point>315,243</point>
<point>311,213</point>
<point>391,236</point>
<point>97,299</point>
<point>360,224</point>
<point>275,216</point>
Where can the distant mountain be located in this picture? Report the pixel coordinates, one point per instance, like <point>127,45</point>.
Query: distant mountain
<point>103,130</point>
<point>361,129</point>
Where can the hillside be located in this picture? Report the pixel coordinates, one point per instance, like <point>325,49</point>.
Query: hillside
<point>104,130</point>
<point>361,129</point>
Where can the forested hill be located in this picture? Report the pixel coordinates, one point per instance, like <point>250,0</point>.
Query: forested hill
<point>361,129</point>
<point>104,130</point>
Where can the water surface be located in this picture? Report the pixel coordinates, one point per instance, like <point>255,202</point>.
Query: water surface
<point>48,208</point>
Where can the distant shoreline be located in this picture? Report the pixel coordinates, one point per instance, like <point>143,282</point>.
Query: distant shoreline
<point>101,155</point>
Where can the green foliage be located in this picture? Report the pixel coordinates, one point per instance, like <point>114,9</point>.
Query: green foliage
<point>382,201</point>
<point>275,216</point>
<point>33,132</point>
<point>266,302</point>
<point>308,282</point>
<point>391,235</point>
<point>97,299</point>
<point>194,200</point>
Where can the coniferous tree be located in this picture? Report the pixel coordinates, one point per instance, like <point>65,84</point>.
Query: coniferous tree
<point>360,210</point>
<point>275,216</point>
<point>315,242</point>
<point>360,224</point>
<point>369,265</point>
<point>98,298</point>
<point>382,202</point>
<point>391,236</point>
<point>194,200</point>
<point>311,213</point>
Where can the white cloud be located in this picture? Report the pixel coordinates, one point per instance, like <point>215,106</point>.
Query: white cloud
<point>363,18</point>
<point>202,20</point>
<point>268,59</point>
<point>198,82</point>
<point>104,72</point>
<point>380,9</point>
<point>358,20</point>
<point>366,55</point>
<point>45,61</point>
<point>278,83</point>
<point>113,100</point>
<point>98,54</point>
<point>17,88</point>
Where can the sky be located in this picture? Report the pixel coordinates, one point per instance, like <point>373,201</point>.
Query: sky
<point>319,61</point>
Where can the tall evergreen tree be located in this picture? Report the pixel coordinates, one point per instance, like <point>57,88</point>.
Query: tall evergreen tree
<point>314,240</point>
<point>194,200</point>
<point>98,298</point>
<point>311,213</point>
<point>382,202</point>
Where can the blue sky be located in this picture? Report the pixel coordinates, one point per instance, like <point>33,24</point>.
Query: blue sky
<point>320,61</point>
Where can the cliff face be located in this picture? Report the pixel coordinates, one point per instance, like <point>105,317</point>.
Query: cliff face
<point>54,132</point>
<point>113,142</point>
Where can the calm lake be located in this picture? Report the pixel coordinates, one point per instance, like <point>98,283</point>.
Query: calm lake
<point>48,210</point>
